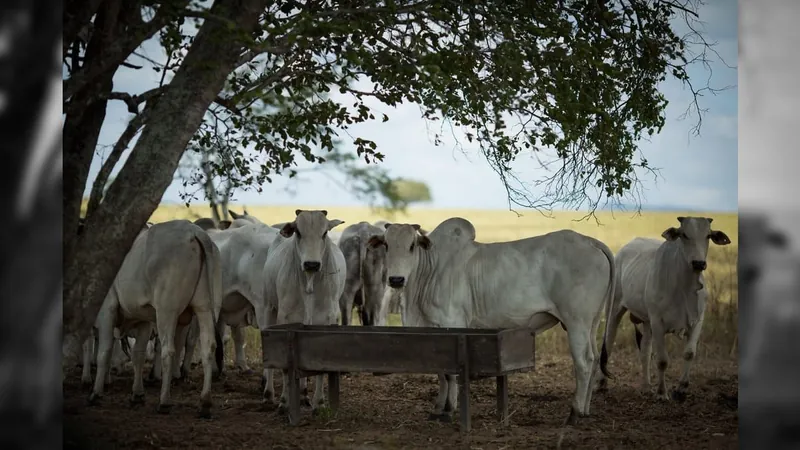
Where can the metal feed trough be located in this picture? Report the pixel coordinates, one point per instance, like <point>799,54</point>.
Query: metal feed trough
<point>307,350</point>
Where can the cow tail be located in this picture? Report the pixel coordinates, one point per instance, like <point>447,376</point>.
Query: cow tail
<point>216,293</point>
<point>362,256</point>
<point>609,309</point>
<point>126,346</point>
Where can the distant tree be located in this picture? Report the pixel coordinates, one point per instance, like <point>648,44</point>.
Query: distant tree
<point>411,191</point>
<point>580,77</point>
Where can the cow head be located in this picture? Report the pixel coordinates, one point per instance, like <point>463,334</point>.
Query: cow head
<point>310,229</point>
<point>693,234</point>
<point>402,242</point>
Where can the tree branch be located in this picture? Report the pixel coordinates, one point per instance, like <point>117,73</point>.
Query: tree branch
<point>108,166</point>
<point>118,51</point>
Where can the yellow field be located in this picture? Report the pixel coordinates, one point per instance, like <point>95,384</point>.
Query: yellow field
<point>615,229</point>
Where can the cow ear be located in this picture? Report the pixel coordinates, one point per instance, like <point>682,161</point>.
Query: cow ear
<point>386,226</point>
<point>376,241</point>
<point>422,231</point>
<point>415,227</point>
<point>681,219</point>
<point>777,239</point>
<point>671,234</point>
<point>710,219</point>
<point>424,242</point>
<point>324,212</point>
<point>334,223</point>
<point>719,238</point>
<point>288,229</point>
<point>234,215</point>
<point>224,224</point>
<point>297,212</point>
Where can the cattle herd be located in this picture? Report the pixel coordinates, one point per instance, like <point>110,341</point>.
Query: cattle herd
<point>182,283</point>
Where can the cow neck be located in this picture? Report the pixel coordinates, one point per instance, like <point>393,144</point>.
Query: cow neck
<point>684,282</point>
<point>417,292</point>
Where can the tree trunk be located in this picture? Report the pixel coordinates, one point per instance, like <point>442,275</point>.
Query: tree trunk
<point>149,170</point>
<point>82,127</point>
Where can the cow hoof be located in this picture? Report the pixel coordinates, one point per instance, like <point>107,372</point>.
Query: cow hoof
<point>572,419</point>
<point>679,395</point>
<point>269,396</point>
<point>137,399</point>
<point>305,402</point>
<point>164,408</point>
<point>205,411</point>
<point>440,417</point>
<point>93,399</point>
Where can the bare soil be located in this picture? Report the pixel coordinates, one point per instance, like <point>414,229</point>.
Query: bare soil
<point>391,412</point>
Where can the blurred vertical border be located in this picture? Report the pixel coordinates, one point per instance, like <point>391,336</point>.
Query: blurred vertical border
<point>769,248</point>
<point>30,234</point>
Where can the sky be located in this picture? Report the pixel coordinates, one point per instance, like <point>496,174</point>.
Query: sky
<point>696,172</point>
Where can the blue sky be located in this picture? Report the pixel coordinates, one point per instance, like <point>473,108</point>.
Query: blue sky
<point>696,172</point>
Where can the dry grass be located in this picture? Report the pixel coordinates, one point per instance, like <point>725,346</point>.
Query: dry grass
<point>615,230</point>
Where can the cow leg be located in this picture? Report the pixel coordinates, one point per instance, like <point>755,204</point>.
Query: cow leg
<point>441,398</point>
<point>180,344</point>
<point>237,333</point>
<point>595,365</point>
<point>608,342</point>
<point>266,318</point>
<point>155,371</point>
<point>139,350</point>
<point>452,398</point>
<point>346,303</point>
<point>166,322</point>
<point>205,324</point>
<point>645,354</point>
<point>319,394</point>
<point>191,340</point>
<point>304,400</point>
<point>689,352</point>
<point>88,350</point>
<point>662,358</point>
<point>583,359</point>
<point>105,335</point>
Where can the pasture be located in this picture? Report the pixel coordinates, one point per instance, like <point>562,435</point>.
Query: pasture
<point>391,411</point>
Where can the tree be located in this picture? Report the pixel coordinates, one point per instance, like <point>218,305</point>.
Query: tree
<point>580,76</point>
<point>412,191</point>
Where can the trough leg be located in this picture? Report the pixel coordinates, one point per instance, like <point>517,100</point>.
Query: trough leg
<point>293,381</point>
<point>333,391</point>
<point>463,385</point>
<point>502,399</point>
<point>294,397</point>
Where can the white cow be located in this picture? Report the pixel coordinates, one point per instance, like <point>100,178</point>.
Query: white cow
<point>120,354</point>
<point>365,283</point>
<point>171,271</point>
<point>450,280</point>
<point>662,286</point>
<point>243,246</point>
<point>304,277</point>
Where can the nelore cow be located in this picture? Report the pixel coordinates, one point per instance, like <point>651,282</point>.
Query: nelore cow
<point>243,245</point>
<point>171,272</point>
<point>304,278</point>
<point>661,285</point>
<point>365,284</point>
<point>450,280</point>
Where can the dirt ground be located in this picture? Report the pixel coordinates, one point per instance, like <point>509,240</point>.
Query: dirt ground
<point>391,412</point>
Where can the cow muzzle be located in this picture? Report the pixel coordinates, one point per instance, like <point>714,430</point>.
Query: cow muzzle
<point>397,282</point>
<point>699,266</point>
<point>312,266</point>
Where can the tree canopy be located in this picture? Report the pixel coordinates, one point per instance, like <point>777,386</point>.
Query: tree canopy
<point>579,77</point>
